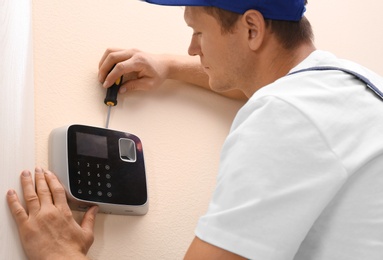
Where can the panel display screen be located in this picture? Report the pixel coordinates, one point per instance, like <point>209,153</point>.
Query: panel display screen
<point>92,145</point>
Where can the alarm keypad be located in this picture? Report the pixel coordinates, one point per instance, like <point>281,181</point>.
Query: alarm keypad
<point>93,181</point>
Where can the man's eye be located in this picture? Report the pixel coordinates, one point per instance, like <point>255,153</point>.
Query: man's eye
<point>197,34</point>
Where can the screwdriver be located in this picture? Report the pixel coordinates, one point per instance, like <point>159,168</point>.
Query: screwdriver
<point>111,97</point>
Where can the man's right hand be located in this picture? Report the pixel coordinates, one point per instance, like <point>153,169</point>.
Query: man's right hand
<point>141,70</point>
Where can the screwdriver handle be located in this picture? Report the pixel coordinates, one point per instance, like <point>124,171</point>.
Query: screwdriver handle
<point>111,93</point>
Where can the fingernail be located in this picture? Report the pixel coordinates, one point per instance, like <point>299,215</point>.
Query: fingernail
<point>11,192</point>
<point>106,84</point>
<point>122,90</point>
<point>38,170</point>
<point>26,173</point>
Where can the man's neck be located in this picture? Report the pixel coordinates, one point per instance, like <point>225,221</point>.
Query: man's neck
<point>275,63</point>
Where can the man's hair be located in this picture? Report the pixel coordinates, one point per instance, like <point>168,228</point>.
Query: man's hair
<point>290,34</point>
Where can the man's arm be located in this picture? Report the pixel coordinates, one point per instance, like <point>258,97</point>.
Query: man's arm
<point>188,69</point>
<point>201,250</point>
<point>145,71</point>
<point>46,227</point>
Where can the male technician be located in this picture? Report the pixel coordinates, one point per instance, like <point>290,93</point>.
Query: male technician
<point>301,173</point>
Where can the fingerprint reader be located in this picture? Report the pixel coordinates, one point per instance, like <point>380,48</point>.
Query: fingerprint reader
<point>127,150</point>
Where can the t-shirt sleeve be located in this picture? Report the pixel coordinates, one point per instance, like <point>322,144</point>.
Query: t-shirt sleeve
<point>276,175</point>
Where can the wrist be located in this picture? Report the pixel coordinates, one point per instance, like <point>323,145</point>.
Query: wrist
<point>60,254</point>
<point>72,256</point>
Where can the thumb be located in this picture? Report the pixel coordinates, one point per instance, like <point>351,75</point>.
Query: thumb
<point>89,219</point>
<point>144,83</point>
<point>134,84</point>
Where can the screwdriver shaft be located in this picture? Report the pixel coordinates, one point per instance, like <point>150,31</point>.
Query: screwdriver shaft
<point>108,116</point>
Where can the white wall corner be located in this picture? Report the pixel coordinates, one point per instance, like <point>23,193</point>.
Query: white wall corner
<point>17,149</point>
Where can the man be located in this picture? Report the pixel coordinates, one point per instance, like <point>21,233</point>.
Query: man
<point>300,172</point>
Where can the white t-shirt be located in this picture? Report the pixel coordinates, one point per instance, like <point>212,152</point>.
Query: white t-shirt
<point>301,172</point>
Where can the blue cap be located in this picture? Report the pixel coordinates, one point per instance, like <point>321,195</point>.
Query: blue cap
<point>285,10</point>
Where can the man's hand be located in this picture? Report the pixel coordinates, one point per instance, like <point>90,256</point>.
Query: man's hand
<point>141,71</point>
<point>47,228</point>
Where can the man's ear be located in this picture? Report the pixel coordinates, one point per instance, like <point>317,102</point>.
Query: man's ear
<point>255,23</point>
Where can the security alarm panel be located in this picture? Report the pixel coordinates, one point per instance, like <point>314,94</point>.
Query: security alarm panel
<point>100,166</point>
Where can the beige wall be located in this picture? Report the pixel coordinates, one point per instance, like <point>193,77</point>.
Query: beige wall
<point>182,128</point>
<point>349,28</point>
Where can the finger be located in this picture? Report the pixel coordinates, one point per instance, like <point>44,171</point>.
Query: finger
<point>57,190</point>
<point>105,55</point>
<point>42,188</point>
<point>123,65</point>
<point>17,210</point>
<point>31,199</point>
<point>110,58</point>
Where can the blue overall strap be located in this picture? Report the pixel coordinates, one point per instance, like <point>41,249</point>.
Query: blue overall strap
<point>369,84</point>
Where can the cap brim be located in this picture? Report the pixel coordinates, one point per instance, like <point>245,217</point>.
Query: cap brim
<point>179,2</point>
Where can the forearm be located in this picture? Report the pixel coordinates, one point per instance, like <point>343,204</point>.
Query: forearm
<point>188,69</point>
